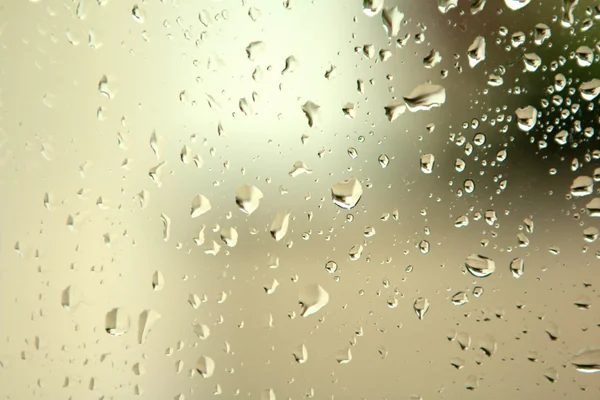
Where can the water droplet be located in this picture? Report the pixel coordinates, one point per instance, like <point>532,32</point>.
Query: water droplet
<point>313,113</point>
<point>200,205</point>
<point>477,6</point>
<point>201,330</point>
<point>148,319</point>
<point>383,160</point>
<point>432,59</point>
<point>355,252</point>
<point>117,322</point>
<point>137,14</point>
<point>526,118</point>
<point>372,7</point>
<point>255,49</point>
<point>479,139</point>
<point>460,165</point>
<point>590,90</point>
<point>529,226</point>
<point>154,144</point>
<point>590,234</point>
<point>587,361</point>
<point>331,267</point>
<point>267,394</point>
<point>70,298</point>
<point>480,266</point>
<point>551,374</point>
<point>424,246</point>
<point>139,369</point>
<point>584,56</point>
<point>464,340</point>
<point>446,5</point>
<point>300,354</point>
<point>421,306</point>
<point>516,4</point>
<point>248,198</point>
<point>280,224</point>
<point>582,186</point>
<point>472,382</point>
<point>205,366</point>
<point>350,110</point>
<point>553,331</point>
<point>568,8</point>
<point>352,152</point>
<point>394,110</point>
<point>254,13</point>
<point>517,267</point>
<point>158,281</point>
<point>312,298</point>
<point>460,298</point>
<point>501,155</point>
<point>531,61</point>
<point>477,291</point>
<point>461,221</point>
<point>469,186</point>
<point>476,51</point>
<point>291,65</point>
<point>229,236</point>
<point>299,168</point>
<point>346,194</point>
<point>495,80</point>
<point>271,289</point>
<point>457,363</point>
<point>391,17</point>
<point>344,356</point>
<point>541,33</point>
<point>517,39</point>
<point>489,345</point>
<point>425,97</point>
<point>427,163</point>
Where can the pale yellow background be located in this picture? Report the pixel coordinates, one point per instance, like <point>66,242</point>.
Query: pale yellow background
<point>53,141</point>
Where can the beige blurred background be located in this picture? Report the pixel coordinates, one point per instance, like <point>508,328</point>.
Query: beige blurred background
<point>85,84</point>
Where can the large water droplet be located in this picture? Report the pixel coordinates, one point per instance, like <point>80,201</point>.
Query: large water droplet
<point>248,198</point>
<point>392,17</point>
<point>200,205</point>
<point>587,361</point>
<point>526,118</point>
<point>205,366</point>
<point>516,4</point>
<point>531,61</point>
<point>313,113</point>
<point>372,7</point>
<point>346,194</point>
<point>476,51</point>
<point>517,267</point>
<point>117,322</point>
<point>590,90</point>
<point>541,33</point>
<point>425,97</point>
<point>460,299</point>
<point>446,5</point>
<point>148,319</point>
<point>421,306</point>
<point>280,225</point>
<point>582,186</point>
<point>255,49</point>
<point>300,354</point>
<point>480,266</point>
<point>427,162</point>
<point>312,298</point>
<point>158,281</point>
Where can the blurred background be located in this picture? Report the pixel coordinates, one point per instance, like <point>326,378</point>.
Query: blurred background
<point>168,229</point>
